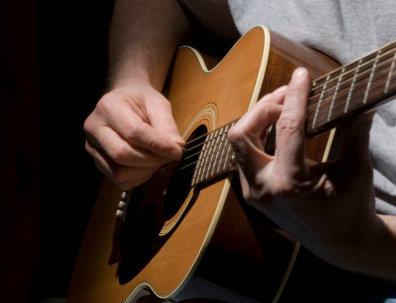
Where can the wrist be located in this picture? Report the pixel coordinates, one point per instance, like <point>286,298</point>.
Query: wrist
<point>134,75</point>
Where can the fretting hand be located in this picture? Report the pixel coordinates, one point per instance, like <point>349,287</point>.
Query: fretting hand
<point>323,206</point>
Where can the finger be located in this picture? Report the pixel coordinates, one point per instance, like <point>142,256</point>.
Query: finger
<point>131,125</point>
<point>161,118</point>
<point>125,177</point>
<point>245,188</point>
<point>277,96</point>
<point>246,139</point>
<point>290,131</point>
<point>264,113</point>
<point>120,151</point>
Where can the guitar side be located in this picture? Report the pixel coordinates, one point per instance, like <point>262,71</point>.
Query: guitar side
<point>213,235</point>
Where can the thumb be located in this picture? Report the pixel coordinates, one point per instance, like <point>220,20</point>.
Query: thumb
<point>162,120</point>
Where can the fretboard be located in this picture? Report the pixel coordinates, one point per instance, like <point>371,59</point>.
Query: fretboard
<point>355,87</point>
<point>358,86</point>
<point>216,156</point>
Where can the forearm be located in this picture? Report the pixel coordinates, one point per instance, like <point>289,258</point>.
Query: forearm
<point>143,37</point>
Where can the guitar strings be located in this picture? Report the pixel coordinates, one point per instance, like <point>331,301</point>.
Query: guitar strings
<point>190,149</point>
<point>207,135</point>
<point>365,93</point>
<point>189,164</point>
<point>352,71</point>
<point>182,174</point>
<point>380,71</point>
<point>349,72</point>
<point>389,49</point>
<point>363,69</point>
<point>351,68</point>
<point>314,101</point>
<point>312,97</point>
<point>216,136</point>
<point>187,159</point>
<point>199,144</point>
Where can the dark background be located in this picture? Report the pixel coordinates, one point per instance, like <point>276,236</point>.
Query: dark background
<point>53,71</point>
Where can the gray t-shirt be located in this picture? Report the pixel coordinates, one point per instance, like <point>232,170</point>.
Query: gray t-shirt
<point>344,30</point>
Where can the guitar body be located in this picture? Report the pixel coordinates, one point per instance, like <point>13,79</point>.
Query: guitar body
<point>211,234</point>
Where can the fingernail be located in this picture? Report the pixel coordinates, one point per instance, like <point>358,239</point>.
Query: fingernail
<point>299,72</point>
<point>178,139</point>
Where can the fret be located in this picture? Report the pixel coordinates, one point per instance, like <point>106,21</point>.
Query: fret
<point>196,171</point>
<point>392,67</point>
<point>200,163</point>
<point>226,149</point>
<point>206,163</point>
<point>227,155</point>
<point>347,75</point>
<point>227,159</point>
<point>215,153</point>
<point>208,158</point>
<point>365,82</point>
<point>223,134</point>
<point>351,88</point>
<point>198,168</point>
<point>320,101</point>
<point>335,93</point>
<point>202,160</point>
<point>214,158</point>
<point>219,148</point>
<point>370,80</point>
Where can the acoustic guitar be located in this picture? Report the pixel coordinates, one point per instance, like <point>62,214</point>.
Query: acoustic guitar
<point>188,221</point>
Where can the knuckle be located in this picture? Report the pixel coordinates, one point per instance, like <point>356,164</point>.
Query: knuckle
<point>288,125</point>
<point>257,195</point>
<point>118,153</point>
<point>88,125</point>
<point>235,135</point>
<point>282,186</point>
<point>256,191</point>
<point>280,189</point>
<point>104,103</point>
<point>133,132</point>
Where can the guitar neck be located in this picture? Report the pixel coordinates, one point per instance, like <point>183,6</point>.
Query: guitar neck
<point>358,86</point>
<point>216,156</point>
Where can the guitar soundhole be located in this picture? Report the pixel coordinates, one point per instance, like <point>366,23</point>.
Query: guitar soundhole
<point>180,184</point>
